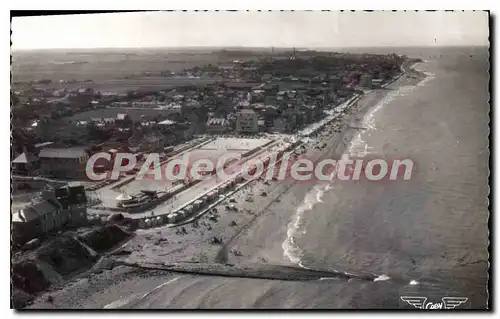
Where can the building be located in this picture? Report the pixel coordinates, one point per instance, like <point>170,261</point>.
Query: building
<point>280,126</point>
<point>74,203</point>
<point>217,125</point>
<point>123,120</point>
<point>25,164</point>
<point>366,81</point>
<point>377,82</point>
<point>153,142</point>
<point>286,123</point>
<point>312,113</point>
<point>335,81</point>
<point>64,207</point>
<point>166,125</point>
<point>261,123</point>
<point>63,162</point>
<point>246,121</point>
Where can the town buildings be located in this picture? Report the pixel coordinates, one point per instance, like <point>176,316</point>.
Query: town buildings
<point>366,81</point>
<point>266,94</point>
<point>217,125</point>
<point>63,162</point>
<point>62,208</point>
<point>25,164</point>
<point>247,121</point>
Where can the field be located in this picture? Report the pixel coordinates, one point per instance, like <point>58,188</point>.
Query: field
<point>109,68</point>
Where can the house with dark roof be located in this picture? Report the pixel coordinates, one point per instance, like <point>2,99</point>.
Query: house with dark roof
<point>63,162</point>
<point>25,163</point>
<point>35,220</point>
<point>246,121</point>
<point>64,207</point>
<point>216,125</point>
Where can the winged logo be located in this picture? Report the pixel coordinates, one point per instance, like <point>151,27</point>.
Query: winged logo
<point>453,302</point>
<point>417,302</point>
<point>422,303</point>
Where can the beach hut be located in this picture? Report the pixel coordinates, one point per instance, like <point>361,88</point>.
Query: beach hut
<point>188,209</point>
<point>142,224</point>
<point>179,215</point>
<point>159,220</point>
<point>210,196</point>
<point>153,222</point>
<point>171,218</point>
<point>197,204</point>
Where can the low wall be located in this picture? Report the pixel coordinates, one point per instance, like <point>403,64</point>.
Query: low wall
<point>124,182</point>
<point>257,149</point>
<point>33,184</point>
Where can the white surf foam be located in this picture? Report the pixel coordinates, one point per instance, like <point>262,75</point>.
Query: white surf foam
<point>382,278</point>
<point>358,147</point>
<point>327,278</point>
<point>290,248</point>
<point>429,76</point>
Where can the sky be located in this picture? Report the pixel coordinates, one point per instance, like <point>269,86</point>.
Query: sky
<point>251,29</point>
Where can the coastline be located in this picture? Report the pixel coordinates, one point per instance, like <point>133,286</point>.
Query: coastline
<point>256,233</point>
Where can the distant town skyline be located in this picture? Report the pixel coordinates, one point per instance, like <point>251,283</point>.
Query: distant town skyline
<point>301,29</point>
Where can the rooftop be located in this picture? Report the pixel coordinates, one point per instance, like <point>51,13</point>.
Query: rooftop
<point>216,121</point>
<point>25,158</point>
<point>166,122</point>
<point>247,111</point>
<point>44,144</point>
<point>34,211</point>
<point>72,152</point>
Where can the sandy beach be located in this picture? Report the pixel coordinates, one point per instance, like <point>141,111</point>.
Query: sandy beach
<point>258,231</point>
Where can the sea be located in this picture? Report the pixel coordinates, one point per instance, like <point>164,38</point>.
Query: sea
<point>426,237</point>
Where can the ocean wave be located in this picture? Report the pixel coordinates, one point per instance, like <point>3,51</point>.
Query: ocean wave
<point>296,227</point>
<point>67,62</point>
<point>382,278</point>
<point>358,147</point>
<point>428,77</point>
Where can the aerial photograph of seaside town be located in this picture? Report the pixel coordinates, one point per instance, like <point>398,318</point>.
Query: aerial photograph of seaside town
<point>250,160</point>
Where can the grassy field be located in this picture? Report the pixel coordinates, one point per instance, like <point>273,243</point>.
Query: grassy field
<point>104,66</point>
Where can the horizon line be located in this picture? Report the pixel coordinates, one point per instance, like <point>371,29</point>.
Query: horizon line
<point>248,47</point>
